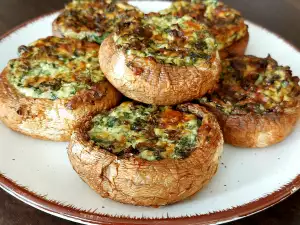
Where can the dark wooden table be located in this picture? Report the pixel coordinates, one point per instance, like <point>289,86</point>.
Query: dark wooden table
<point>280,16</point>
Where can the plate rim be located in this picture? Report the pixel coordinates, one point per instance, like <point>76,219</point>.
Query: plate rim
<point>71,213</point>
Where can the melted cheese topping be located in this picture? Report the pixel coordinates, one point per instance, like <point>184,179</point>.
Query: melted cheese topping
<point>225,23</point>
<point>94,20</point>
<point>55,67</point>
<point>251,84</point>
<point>167,39</point>
<point>148,132</point>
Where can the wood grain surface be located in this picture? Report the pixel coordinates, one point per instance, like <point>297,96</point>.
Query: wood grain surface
<point>279,16</point>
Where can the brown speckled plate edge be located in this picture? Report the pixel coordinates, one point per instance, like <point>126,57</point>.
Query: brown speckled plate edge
<point>89,217</point>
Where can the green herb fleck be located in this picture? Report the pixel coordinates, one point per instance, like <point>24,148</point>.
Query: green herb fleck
<point>111,122</point>
<point>100,39</point>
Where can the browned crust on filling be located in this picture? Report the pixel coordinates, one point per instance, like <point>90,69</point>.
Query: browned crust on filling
<point>148,183</point>
<point>154,83</point>
<point>236,49</point>
<point>51,119</point>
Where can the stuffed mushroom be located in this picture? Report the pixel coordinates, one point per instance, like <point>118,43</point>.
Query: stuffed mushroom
<point>225,23</point>
<point>54,82</point>
<point>147,155</point>
<point>162,60</point>
<point>257,101</point>
<point>92,20</point>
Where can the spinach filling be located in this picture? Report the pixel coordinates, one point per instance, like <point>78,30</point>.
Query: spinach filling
<point>147,132</point>
<point>53,68</point>
<point>251,84</point>
<point>166,39</point>
<point>226,24</point>
<point>94,20</point>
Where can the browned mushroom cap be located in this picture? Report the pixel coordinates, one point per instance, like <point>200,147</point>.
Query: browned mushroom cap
<point>148,183</point>
<point>155,83</point>
<point>24,106</point>
<point>56,31</point>
<point>257,102</point>
<point>161,59</point>
<point>257,131</point>
<point>237,48</point>
<point>52,119</point>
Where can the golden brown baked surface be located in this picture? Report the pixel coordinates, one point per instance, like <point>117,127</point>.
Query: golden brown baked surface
<point>146,131</point>
<point>137,181</point>
<point>257,101</point>
<point>52,84</point>
<point>166,39</point>
<point>226,23</point>
<point>92,20</point>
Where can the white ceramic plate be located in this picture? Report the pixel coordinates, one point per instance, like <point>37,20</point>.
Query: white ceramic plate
<point>249,180</point>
